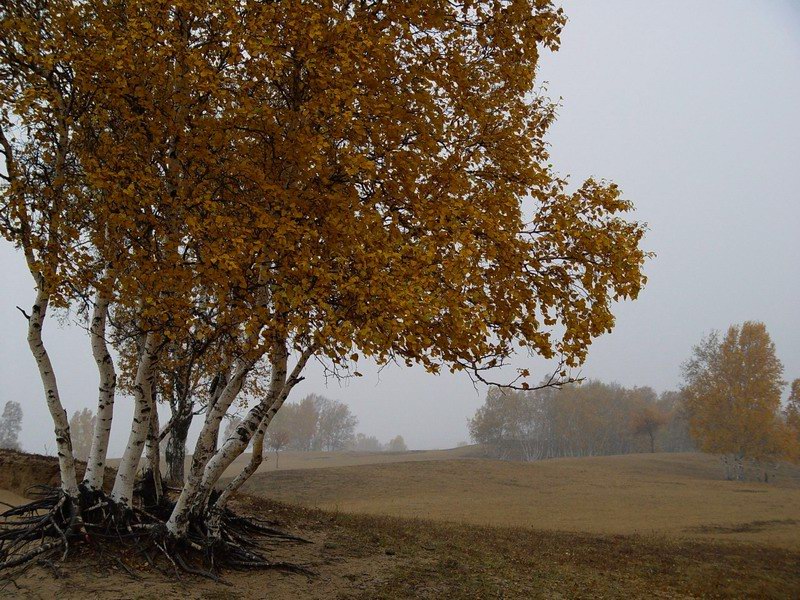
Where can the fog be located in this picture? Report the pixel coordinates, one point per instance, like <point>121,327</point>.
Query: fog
<point>692,108</point>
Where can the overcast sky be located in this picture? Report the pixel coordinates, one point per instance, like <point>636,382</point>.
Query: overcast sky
<point>693,108</point>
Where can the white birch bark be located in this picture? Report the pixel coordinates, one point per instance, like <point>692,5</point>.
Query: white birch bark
<point>237,443</point>
<point>153,452</point>
<point>122,493</point>
<point>66,461</point>
<point>96,463</point>
<point>204,448</point>
<point>256,458</point>
<point>258,438</point>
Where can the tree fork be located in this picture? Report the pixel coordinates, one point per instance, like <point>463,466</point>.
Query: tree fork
<point>258,438</point>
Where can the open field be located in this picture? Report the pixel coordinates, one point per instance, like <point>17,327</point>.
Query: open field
<point>664,494</point>
<point>293,460</point>
<point>374,557</point>
<point>371,558</point>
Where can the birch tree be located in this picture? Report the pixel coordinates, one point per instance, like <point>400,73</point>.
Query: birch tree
<point>331,180</point>
<point>42,207</point>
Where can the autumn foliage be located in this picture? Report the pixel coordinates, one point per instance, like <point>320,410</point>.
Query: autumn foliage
<point>242,186</point>
<point>733,393</point>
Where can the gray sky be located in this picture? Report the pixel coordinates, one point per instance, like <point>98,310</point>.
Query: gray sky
<point>693,108</point>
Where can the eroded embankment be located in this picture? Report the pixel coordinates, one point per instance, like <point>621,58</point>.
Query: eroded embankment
<point>20,471</point>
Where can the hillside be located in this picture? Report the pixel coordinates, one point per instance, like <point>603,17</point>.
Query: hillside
<point>670,494</point>
<point>292,460</point>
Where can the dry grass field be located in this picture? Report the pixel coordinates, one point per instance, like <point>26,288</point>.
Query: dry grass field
<point>291,460</point>
<point>376,556</point>
<point>663,494</point>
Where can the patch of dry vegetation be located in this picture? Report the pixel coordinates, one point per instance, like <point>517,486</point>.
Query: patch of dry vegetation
<point>485,562</point>
<point>293,460</point>
<point>371,557</point>
<point>665,494</point>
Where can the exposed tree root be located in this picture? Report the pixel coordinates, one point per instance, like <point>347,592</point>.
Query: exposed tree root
<point>45,530</point>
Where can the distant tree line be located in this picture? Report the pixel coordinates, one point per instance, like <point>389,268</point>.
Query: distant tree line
<point>729,405</point>
<point>317,423</point>
<point>369,443</point>
<point>591,419</point>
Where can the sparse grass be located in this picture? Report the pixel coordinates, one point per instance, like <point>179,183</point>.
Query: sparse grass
<point>387,557</point>
<point>380,557</point>
<point>666,494</point>
<point>484,562</point>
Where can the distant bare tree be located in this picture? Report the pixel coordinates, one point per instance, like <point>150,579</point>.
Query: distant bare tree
<point>81,430</point>
<point>648,420</point>
<point>791,415</point>
<point>11,425</point>
<point>304,419</point>
<point>230,428</point>
<point>336,425</point>
<point>675,435</point>
<point>317,423</point>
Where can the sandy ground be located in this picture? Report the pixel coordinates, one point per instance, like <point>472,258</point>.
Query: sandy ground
<point>341,568</point>
<point>7,497</point>
<point>370,558</point>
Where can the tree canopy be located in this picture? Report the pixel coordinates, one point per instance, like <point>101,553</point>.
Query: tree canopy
<point>733,394</point>
<point>236,188</point>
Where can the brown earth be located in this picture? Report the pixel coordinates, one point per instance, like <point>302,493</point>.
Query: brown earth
<point>366,557</point>
<point>20,471</point>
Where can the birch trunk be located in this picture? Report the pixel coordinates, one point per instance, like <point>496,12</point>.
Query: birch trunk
<point>153,454</point>
<point>258,438</point>
<point>96,463</point>
<point>176,451</point>
<point>204,449</point>
<point>66,461</point>
<point>237,443</point>
<point>256,458</point>
<point>122,493</point>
